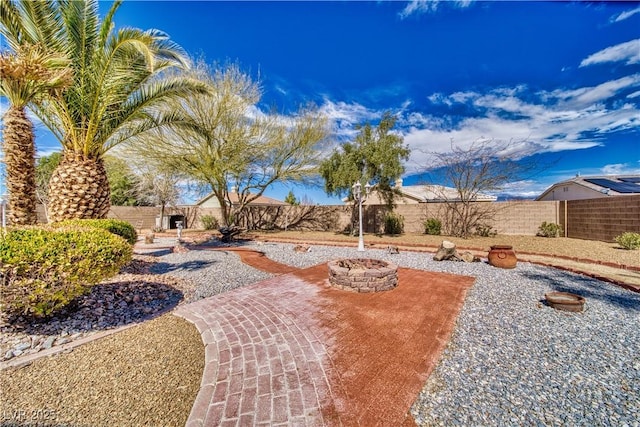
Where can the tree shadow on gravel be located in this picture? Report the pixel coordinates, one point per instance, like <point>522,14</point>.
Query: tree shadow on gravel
<point>167,267</point>
<point>106,306</point>
<point>154,252</point>
<point>590,289</point>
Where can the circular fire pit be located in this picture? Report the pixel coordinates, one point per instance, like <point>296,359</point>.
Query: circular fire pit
<point>363,275</point>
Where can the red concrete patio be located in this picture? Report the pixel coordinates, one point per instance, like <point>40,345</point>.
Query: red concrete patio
<point>291,350</point>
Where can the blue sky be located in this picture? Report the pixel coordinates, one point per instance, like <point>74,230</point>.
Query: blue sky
<point>561,78</point>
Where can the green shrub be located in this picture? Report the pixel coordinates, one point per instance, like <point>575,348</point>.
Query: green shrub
<point>44,269</point>
<point>393,223</point>
<point>209,222</point>
<point>484,230</point>
<point>115,226</point>
<point>549,229</point>
<point>433,226</point>
<point>629,240</point>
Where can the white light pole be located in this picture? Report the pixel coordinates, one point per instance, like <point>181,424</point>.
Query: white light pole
<point>359,197</point>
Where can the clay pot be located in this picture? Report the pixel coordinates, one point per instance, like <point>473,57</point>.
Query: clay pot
<point>502,256</point>
<point>565,301</point>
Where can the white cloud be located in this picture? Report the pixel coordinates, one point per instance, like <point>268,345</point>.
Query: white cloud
<point>628,51</point>
<point>584,97</point>
<point>535,122</point>
<point>425,6</point>
<point>634,94</point>
<point>619,169</point>
<point>625,15</point>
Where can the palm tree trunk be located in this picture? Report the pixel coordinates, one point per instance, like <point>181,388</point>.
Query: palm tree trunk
<point>19,154</point>
<point>79,189</point>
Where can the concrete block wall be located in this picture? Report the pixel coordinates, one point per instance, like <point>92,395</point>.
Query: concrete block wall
<point>603,218</point>
<point>134,214</point>
<point>592,219</point>
<point>524,217</point>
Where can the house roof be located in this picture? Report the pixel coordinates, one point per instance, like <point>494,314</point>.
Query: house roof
<point>433,193</point>
<point>438,193</point>
<point>612,185</point>
<point>234,198</point>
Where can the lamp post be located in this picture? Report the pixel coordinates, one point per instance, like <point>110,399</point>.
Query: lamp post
<point>359,197</point>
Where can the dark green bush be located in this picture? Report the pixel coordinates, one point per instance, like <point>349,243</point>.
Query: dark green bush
<point>115,226</point>
<point>433,226</point>
<point>44,269</point>
<point>393,223</point>
<point>630,241</point>
<point>209,222</point>
<point>549,229</point>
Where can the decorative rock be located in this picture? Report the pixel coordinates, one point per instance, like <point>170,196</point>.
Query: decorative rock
<point>149,238</point>
<point>23,346</point>
<point>8,355</point>
<point>49,342</point>
<point>301,248</point>
<point>179,249</point>
<point>469,257</point>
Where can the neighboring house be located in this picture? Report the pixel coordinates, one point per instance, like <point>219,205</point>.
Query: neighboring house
<point>211,201</point>
<point>592,187</point>
<point>413,194</point>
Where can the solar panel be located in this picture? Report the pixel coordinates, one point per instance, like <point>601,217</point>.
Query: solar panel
<point>620,187</point>
<point>635,179</point>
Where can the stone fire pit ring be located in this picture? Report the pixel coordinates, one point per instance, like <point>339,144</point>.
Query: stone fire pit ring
<point>363,275</point>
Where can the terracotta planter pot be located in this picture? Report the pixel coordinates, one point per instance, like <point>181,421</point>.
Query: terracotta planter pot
<point>502,256</point>
<point>565,301</point>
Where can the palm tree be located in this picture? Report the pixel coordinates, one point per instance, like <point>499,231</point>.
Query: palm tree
<point>26,76</point>
<point>115,86</point>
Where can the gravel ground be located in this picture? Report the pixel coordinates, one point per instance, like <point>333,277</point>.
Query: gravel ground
<point>591,249</point>
<point>130,297</point>
<point>511,361</point>
<point>148,375</point>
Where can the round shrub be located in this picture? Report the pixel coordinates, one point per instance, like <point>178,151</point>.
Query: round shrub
<point>209,222</point>
<point>629,241</point>
<point>393,223</point>
<point>433,226</point>
<point>44,269</point>
<point>115,226</point>
<point>549,229</point>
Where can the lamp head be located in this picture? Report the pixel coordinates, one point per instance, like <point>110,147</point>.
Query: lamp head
<point>357,189</point>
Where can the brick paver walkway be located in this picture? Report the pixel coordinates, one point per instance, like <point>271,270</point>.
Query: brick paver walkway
<point>293,351</point>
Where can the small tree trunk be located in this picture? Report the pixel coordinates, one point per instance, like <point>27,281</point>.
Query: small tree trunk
<point>162,215</point>
<point>447,251</point>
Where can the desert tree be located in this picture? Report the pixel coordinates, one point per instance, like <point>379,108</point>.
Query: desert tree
<point>158,188</point>
<point>224,141</point>
<point>475,171</point>
<point>375,156</point>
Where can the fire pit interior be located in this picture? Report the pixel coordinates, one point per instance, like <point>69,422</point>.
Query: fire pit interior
<point>363,275</point>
